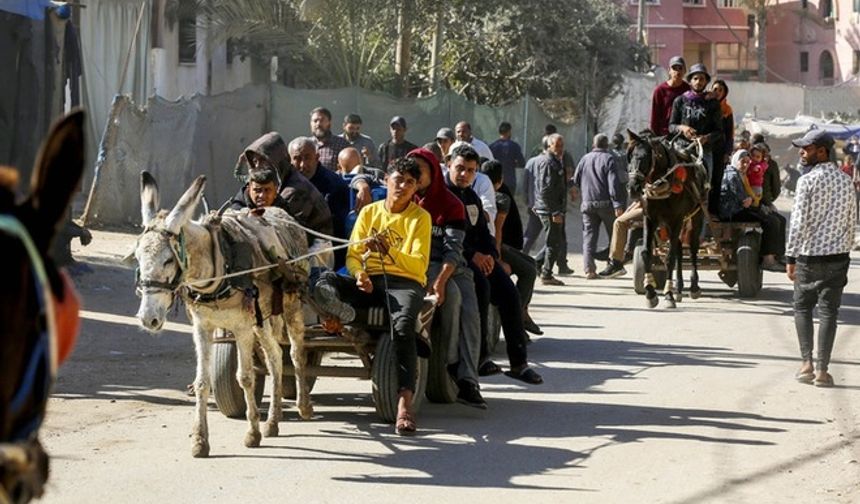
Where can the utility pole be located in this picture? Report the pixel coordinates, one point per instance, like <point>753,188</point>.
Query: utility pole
<point>640,23</point>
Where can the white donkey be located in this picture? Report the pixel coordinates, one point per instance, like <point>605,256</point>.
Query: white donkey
<point>174,252</point>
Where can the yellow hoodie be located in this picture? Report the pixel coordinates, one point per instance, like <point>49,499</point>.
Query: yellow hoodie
<point>408,234</point>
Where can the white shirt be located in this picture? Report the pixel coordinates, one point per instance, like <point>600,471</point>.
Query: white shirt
<point>482,149</point>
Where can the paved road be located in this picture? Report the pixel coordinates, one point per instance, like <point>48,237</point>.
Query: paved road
<point>692,405</point>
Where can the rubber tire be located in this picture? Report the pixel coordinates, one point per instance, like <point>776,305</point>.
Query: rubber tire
<point>441,388</point>
<point>384,380</point>
<point>314,359</point>
<point>228,395</point>
<point>639,272</point>
<point>749,265</point>
<point>494,329</point>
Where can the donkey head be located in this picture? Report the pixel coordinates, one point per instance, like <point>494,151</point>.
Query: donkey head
<point>38,305</point>
<point>161,253</point>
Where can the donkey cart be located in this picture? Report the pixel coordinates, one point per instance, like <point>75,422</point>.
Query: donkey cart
<point>368,339</point>
<point>733,252</point>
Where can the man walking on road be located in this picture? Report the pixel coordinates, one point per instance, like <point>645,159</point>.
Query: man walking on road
<point>819,241</point>
<point>602,197</point>
<point>550,204</point>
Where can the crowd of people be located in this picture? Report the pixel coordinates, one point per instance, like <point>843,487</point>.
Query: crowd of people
<point>443,219</point>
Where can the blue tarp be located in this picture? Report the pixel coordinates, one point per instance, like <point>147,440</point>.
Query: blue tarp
<point>34,9</point>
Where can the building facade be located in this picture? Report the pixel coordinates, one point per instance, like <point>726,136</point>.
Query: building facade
<point>714,32</point>
<point>813,42</point>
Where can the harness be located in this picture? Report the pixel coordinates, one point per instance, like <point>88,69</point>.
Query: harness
<point>661,188</point>
<point>41,369</point>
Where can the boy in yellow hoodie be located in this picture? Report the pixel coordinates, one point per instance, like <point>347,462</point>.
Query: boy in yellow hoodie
<point>392,266</point>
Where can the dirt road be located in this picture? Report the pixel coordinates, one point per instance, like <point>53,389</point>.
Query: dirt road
<point>693,405</point>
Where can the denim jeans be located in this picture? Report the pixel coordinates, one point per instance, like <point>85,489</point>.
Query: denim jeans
<point>821,284</point>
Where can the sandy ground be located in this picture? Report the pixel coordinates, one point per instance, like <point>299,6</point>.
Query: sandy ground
<point>693,405</point>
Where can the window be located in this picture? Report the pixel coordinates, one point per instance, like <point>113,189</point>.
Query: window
<point>187,33</point>
<point>856,68</point>
<point>856,5</point>
<point>825,68</point>
<point>696,3</point>
<point>826,7</point>
<point>804,61</point>
<point>647,2</point>
<point>728,4</point>
<point>804,4</point>
<point>750,25</point>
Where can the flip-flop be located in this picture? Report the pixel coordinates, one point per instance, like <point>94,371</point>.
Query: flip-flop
<point>527,375</point>
<point>489,368</point>
<point>806,377</point>
<point>405,425</point>
<point>826,382</point>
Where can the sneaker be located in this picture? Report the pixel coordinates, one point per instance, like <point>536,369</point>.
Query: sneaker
<point>565,271</point>
<point>550,280</point>
<point>470,395</point>
<point>326,298</point>
<point>613,269</point>
<point>590,275</point>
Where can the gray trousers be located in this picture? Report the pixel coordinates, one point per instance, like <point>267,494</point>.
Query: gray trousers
<point>821,284</point>
<point>591,221</point>
<point>461,319</point>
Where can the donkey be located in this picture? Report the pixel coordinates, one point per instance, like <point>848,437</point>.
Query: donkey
<point>175,253</point>
<point>38,306</point>
<point>670,196</point>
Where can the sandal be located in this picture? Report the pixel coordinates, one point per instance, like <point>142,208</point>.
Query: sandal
<point>825,381</point>
<point>806,377</point>
<point>405,425</point>
<point>489,368</point>
<point>527,375</point>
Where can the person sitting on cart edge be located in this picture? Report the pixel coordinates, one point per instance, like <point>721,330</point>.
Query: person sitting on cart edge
<point>391,270</point>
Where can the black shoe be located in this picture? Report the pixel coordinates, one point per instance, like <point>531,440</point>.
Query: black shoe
<point>613,269</point>
<point>530,326</point>
<point>565,271</point>
<point>489,368</point>
<point>470,395</point>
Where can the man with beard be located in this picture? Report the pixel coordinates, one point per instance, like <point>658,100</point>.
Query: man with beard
<point>697,117</point>
<point>492,284</point>
<point>328,145</point>
<point>819,242</point>
<point>664,96</point>
<point>398,146</point>
<point>464,134</point>
<point>362,143</point>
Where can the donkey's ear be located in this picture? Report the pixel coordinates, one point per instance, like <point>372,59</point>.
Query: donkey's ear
<point>183,210</point>
<point>633,137</point>
<point>56,175</point>
<point>148,197</point>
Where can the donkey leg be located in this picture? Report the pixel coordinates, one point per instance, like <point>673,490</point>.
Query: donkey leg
<point>650,283</point>
<point>695,291</point>
<point>275,365</point>
<point>670,269</point>
<point>202,384</point>
<point>296,333</point>
<point>245,376</point>
<point>679,268</point>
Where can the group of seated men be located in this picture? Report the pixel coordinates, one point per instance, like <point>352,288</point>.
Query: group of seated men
<point>429,235</point>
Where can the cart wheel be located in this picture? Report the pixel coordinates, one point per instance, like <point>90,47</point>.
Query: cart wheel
<point>639,272</point>
<point>228,395</point>
<point>313,359</point>
<point>749,265</point>
<point>440,387</point>
<point>384,378</point>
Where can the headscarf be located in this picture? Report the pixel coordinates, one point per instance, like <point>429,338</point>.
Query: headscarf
<point>439,202</point>
<point>737,156</point>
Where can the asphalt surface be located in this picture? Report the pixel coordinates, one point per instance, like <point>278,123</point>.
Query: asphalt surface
<point>696,404</point>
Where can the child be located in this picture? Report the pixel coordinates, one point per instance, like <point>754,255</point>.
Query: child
<point>756,171</point>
